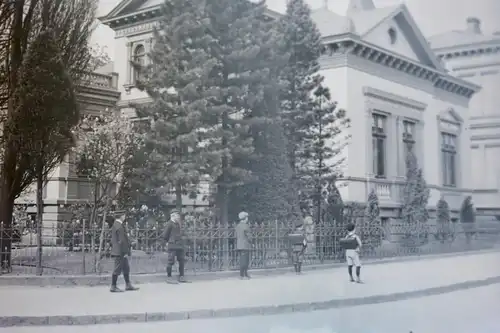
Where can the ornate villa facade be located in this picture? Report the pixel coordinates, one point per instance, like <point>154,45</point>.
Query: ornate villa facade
<point>474,55</point>
<point>398,94</point>
<point>64,187</point>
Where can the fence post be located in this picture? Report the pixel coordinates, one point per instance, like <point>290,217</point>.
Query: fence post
<point>194,256</point>
<point>276,239</point>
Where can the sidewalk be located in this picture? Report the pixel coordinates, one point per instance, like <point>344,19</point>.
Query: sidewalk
<point>320,286</point>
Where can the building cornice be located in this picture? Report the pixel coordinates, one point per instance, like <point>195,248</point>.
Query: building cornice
<point>349,46</point>
<point>148,18</point>
<point>401,100</point>
<point>468,50</point>
<point>126,25</point>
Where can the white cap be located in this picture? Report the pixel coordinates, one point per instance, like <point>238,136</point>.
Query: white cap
<point>242,215</point>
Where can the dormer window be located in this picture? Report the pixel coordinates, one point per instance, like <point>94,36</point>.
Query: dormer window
<point>393,35</point>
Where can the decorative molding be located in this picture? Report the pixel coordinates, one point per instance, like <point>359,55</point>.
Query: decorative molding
<point>135,29</point>
<point>485,137</point>
<point>470,50</point>
<point>490,72</point>
<point>449,127</point>
<point>485,125</point>
<point>492,145</point>
<point>474,146</point>
<point>393,98</point>
<point>333,47</point>
<point>482,65</point>
<point>403,71</point>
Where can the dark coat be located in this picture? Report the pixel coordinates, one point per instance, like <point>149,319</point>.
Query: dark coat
<point>173,236</point>
<point>120,244</point>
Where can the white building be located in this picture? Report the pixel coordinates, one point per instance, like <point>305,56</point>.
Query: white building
<point>379,68</point>
<point>474,56</point>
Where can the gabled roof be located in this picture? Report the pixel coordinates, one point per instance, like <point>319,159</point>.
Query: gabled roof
<point>402,12</point>
<point>366,20</point>
<point>330,23</point>
<point>129,6</point>
<point>359,22</point>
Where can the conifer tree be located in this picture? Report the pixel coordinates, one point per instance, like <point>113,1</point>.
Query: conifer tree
<point>177,80</point>
<point>303,41</point>
<point>247,102</point>
<point>442,219</point>
<point>371,231</point>
<point>415,200</point>
<point>319,161</point>
<point>415,194</point>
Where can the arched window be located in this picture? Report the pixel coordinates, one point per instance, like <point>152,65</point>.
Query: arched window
<point>139,57</point>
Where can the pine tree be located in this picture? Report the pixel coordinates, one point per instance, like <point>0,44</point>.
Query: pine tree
<point>303,41</point>
<point>415,200</point>
<point>319,161</point>
<point>177,80</point>
<point>415,194</point>
<point>371,231</point>
<point>270,197</point>
<point>245,90</point>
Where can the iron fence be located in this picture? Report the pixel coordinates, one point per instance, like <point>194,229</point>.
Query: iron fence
<point>73,249</point>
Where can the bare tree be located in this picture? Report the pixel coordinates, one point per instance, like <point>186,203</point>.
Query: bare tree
<point>70,23</point>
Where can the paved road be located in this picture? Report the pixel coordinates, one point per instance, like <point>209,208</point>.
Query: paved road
<point>232,293</point>
<point>473,310</point>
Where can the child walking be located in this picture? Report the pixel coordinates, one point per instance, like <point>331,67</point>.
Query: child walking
<point>299,244</point>
<point>353,247</point>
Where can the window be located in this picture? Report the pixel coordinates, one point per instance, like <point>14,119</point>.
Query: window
<point>139,58</point>
<point>408,137</point>
<point>448,155</point>
<point>378,144</point>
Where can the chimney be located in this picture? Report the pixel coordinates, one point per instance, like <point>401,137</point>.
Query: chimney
<point>473,25</point>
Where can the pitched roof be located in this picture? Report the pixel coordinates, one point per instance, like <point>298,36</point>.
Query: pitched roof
<point>457,38</point>
<point>366,20</point>
<point>330,23</point>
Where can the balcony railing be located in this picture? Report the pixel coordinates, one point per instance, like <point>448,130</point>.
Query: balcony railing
<point>386,190</point>
<point>98,80</point>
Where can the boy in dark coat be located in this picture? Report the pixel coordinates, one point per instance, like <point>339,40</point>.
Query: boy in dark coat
<point>173,236</point>
<point>120,251</point>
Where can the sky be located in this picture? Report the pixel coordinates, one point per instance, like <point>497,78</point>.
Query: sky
<point>432,16</point>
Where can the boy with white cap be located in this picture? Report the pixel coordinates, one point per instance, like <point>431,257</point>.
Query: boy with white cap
<point>243,245</point>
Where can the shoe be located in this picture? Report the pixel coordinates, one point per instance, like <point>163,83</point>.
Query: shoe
<point>352,279</point>
<point>182,279</point>
<point>171,281</point>
<point>115,289</point>
<point>130,287</point>
<point>358,280</point>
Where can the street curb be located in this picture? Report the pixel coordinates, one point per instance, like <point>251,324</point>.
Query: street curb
<point>238,312</point>
<point>101,280</point>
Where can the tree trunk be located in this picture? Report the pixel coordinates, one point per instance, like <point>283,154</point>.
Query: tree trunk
<point>39,221</point>
<point>8,173</point>
<point>6,210</point>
